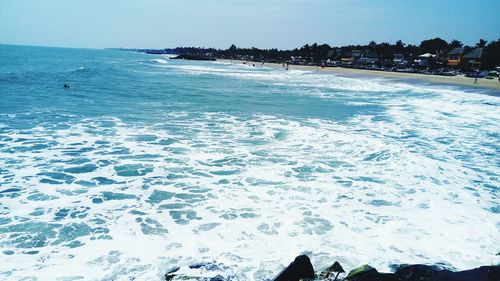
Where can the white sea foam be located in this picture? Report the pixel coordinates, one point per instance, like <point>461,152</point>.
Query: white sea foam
<point>307,78</point>
<point>161,61</point>
<point>255,191</point>
<point>268,209</point>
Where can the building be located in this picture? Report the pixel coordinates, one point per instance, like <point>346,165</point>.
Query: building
<point>334,53</point>
<point>455,56</point>
<point>333,57</point>
<point>348,58</point>
<point>473,58</point>
<point>299,60</point>
<point>399,59</point>
<point>356,54</point>
<point>369,57</point>
<point>424,60</point>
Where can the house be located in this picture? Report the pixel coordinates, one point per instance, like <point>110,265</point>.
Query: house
<point>424,59</point>
<point>333,57</point>
<point>356,54</point>
<point>473,58</point>
<point>299,60</point>
<point>334,53</point>
<point>348,58</point>
<point>399,59</point>
<point>455,56</point>
<point>369,57</point>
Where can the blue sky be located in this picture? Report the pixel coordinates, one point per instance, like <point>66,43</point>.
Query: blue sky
<point>260,23</point>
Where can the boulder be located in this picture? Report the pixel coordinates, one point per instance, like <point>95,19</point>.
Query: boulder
<point>421,272</point>
<point>300,268</point>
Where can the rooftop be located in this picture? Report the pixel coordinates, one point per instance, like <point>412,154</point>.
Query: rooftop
<point>456,51</point>
<point>477,53</point>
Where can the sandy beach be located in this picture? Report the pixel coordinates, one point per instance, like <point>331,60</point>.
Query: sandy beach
<point>459,80</point>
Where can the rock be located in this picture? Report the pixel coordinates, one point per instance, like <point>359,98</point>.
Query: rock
<point>430,273</point>
<point>416,272</point>
<point>361,270</point>
<point>218,278</point>
<point>368,273</point>
<point>334,270</point>
<point>300,268</point>
<point>419,272</point>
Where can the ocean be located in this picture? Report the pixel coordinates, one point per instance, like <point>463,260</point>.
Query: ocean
<point>145,164</point>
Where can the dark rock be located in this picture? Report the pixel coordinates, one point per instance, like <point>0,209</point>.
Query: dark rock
<point>374,276</point>
<point>360,270</point>
<point>334,270</point>
<point>218,278</point>
<point>416,272</point>
<point>300,268</point>
<point>430,273</point>
<point>368,273</point>
<point>419,272</point>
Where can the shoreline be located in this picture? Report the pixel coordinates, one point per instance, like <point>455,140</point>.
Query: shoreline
<point>459,80</point>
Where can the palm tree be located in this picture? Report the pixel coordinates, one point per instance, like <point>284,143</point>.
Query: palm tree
<point>481,43</point>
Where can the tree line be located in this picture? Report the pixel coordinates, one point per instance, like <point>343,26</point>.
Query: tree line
<point>316,53</point>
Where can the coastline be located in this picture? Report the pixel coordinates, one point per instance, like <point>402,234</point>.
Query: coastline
<point>459,80</point>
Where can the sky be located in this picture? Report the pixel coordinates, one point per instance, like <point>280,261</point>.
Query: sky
<point>282,24</point>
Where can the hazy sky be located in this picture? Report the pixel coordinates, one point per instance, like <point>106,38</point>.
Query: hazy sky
<point>246,23</point>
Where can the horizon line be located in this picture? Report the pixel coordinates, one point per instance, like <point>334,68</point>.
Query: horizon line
<point>240,47</point>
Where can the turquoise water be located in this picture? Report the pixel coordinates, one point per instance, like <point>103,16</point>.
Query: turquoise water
<point>147,163</point>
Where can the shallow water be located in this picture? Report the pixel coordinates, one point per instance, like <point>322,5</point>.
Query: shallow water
<point>147,163</point>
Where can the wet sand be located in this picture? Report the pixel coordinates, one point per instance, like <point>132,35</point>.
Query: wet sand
<point>459,80</point>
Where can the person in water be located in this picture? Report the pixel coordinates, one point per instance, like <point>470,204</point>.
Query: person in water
<point>66,85</point>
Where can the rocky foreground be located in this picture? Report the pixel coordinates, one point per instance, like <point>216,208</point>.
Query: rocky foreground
<point>302,269</point>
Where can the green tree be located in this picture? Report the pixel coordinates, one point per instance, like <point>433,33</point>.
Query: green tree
<point>399,47</point>
<point>433,46</point>
<point>481,43</point>
<point>491,55</point>
<point>455,44</point>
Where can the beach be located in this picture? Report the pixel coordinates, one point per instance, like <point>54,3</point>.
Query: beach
<point>459,80</point>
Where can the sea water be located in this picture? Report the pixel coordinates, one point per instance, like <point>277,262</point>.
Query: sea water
<point>145,164</point>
